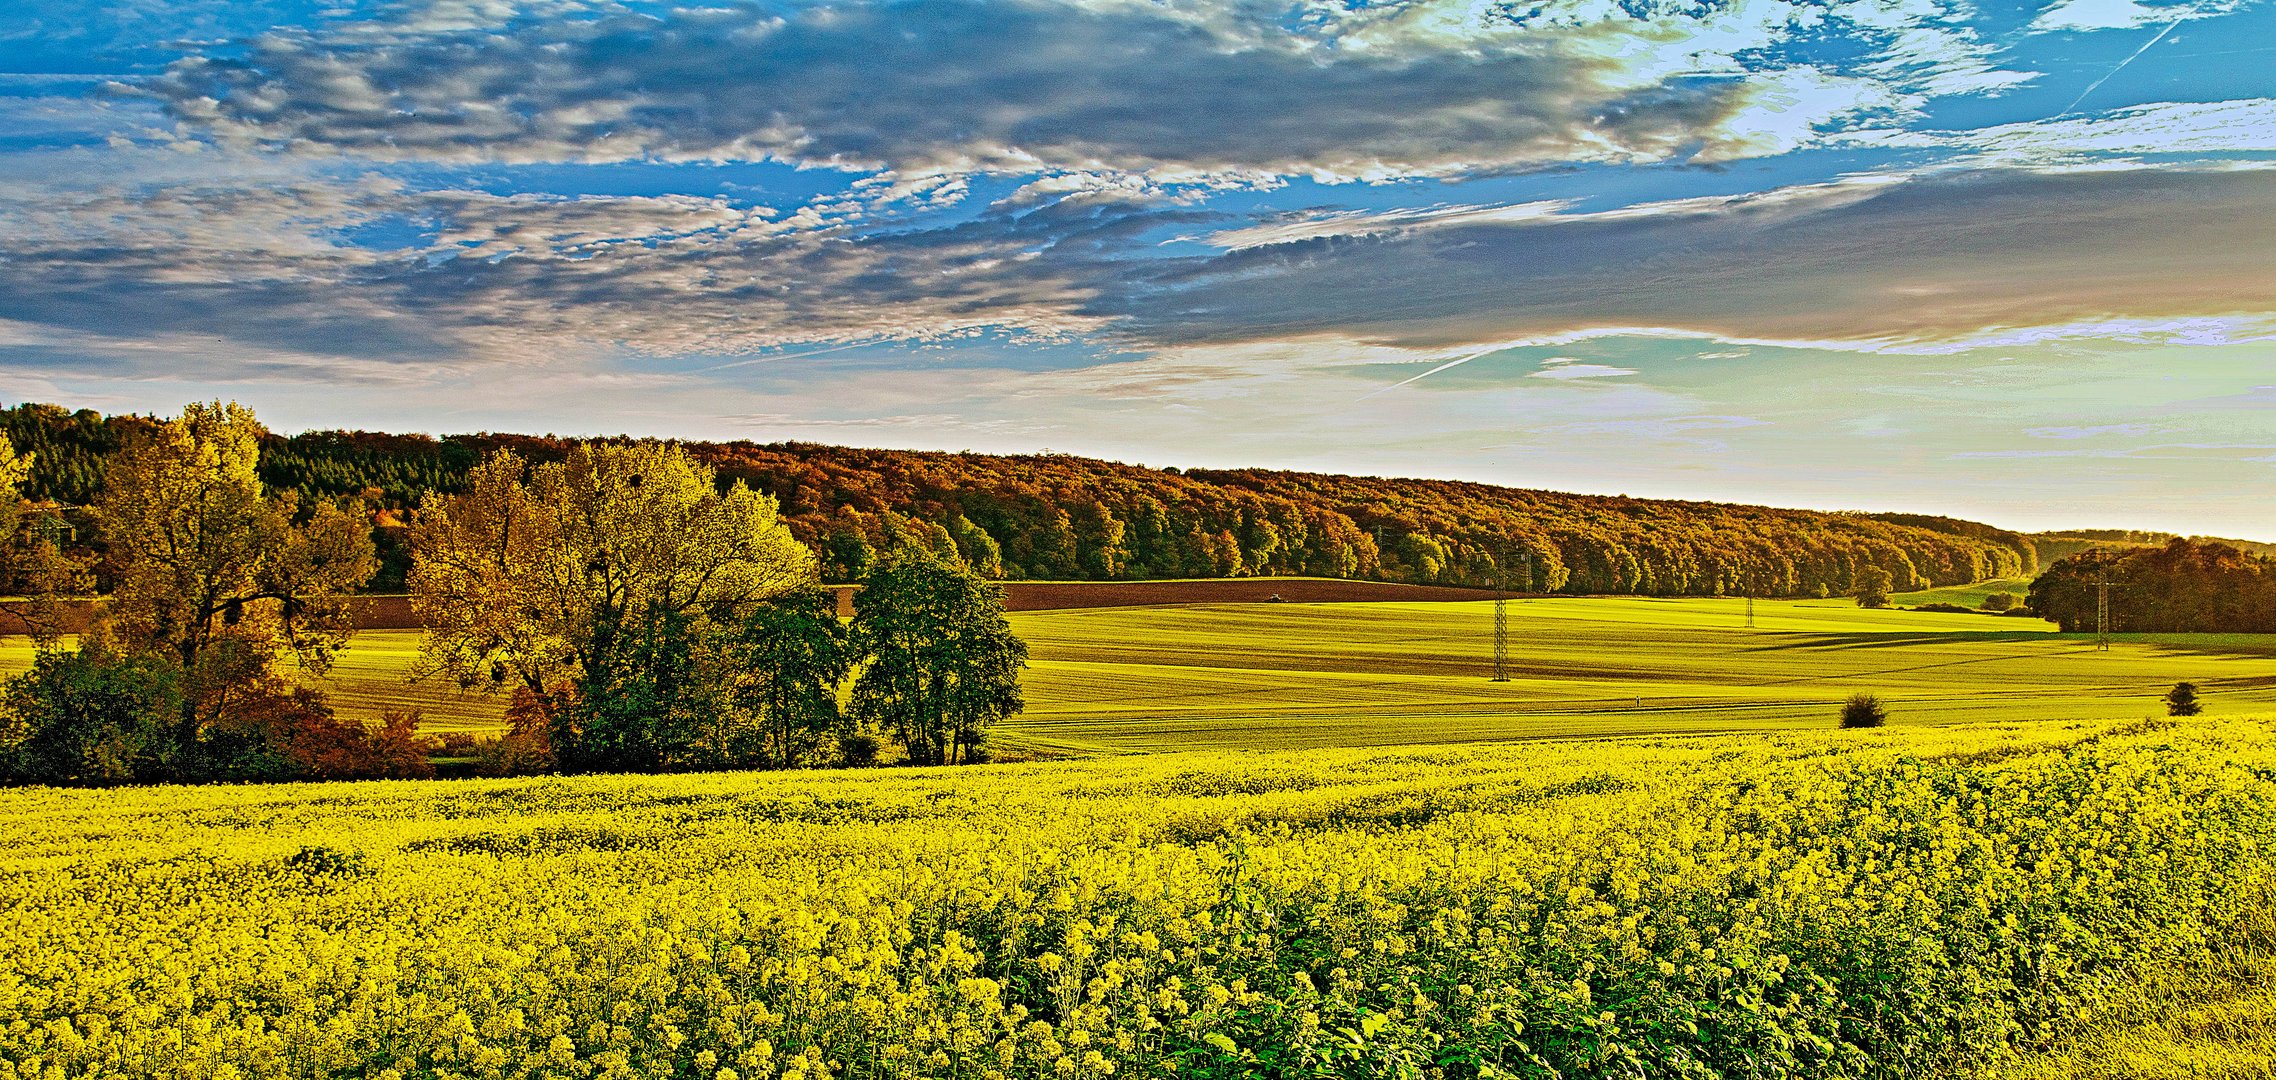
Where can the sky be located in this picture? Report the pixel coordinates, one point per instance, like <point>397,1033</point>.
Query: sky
<point>2010,262</point>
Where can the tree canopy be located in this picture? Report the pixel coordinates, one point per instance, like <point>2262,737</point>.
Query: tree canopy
<point>2181,587</point>
<point>532,570</point>
<point>942,662</point>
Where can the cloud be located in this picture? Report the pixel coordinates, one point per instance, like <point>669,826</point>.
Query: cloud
<point>2197,129</point>
<point>1181,93</point>
<point>2122,14</point>
<point>1925,264</point>
<point>1565,367</point>
<point>315,267</point>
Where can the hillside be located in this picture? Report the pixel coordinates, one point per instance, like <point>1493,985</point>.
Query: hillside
<point>1059,517</point>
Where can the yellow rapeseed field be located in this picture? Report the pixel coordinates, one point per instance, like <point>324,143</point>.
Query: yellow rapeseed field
<point>1903,902</point>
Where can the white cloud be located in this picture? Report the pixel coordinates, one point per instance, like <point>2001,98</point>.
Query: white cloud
<point>1566,368</point>
<point>2192,128</point>
<point>2121,14</point>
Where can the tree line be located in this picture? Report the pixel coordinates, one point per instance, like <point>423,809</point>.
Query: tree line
<point>2183,586</point>
<point>1058,517</point>
<point>639,615</point>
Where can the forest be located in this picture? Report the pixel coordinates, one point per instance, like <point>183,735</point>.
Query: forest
<point>1060,517</point>
<point>2183,586</point>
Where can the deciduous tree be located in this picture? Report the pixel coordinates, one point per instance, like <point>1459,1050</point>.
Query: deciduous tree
<point>217,574</point>
<point>942,663</point>
<point>533,572</point>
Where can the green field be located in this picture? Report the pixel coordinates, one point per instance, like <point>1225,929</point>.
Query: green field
<point>1963,595</point>
<point>1118,680</point>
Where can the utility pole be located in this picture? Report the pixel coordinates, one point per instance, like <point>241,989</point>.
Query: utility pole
<point>1750,611</point>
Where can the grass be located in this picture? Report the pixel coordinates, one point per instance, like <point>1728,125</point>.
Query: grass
<point>2216,1021</point>
<point>1272,676</point>
<point>1971,596</point>
<point>1284,676</point>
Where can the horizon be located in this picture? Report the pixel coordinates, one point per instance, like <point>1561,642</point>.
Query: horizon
<point>2011,266</point>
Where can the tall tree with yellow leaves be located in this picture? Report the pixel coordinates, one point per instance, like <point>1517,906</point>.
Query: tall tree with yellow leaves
<point>214,572</point>
<point>533,573</point>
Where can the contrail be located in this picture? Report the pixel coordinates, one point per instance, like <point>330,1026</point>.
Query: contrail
<point>1442,367</point>
<point>2122,63</point>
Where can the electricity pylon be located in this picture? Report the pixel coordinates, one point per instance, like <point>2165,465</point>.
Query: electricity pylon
<point>1501,627</point>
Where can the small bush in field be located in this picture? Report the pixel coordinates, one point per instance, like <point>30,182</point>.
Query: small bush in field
<point>1863,710</point>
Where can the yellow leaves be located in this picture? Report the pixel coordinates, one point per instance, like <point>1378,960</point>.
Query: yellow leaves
<point>516,571</point>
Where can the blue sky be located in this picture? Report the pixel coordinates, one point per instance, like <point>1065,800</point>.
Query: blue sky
<point>2014,262</point>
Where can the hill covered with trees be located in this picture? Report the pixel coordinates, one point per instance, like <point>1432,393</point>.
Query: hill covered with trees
<point>2182,586</point>
<point>1059,517</point>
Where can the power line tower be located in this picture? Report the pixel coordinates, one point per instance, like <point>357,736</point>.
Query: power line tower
<point>2102,614</point>
<point>1501,625</point>
<point>1501,612</point>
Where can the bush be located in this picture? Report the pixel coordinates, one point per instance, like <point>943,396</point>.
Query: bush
<point>2001,601</point>
<point>2182,700</point>
<point>90,716</point>
<point>515,754</point>
<point>858,749</point>
<point>1863,710</point>
<point>2021,612</point>
<point>1948,609</point>
<point>324,747</point>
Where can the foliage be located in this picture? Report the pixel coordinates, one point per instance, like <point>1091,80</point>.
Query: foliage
<point>2182,700</point>
<point>1871,587</point>
<point>1901,903</point>
<point>1059,517</point>
<point>211,571</point>
<point>91,716</point>
<point>2001,601</point>
<point>642,704</point>
<point>215,581</point>
<point>526,749</point>
<point>533,569</point>
<point>1863,710</point>
<point>782,666</point>
<point>2183,586</point>
<point>942,663</point>
<point>325,746</point>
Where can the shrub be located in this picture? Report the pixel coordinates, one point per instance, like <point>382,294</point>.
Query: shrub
<point>858,749</point>
<point>515,754</point>
<point>2182,700</point>
<point>1947,609</point>
<point>1863,710</point>
<point>90,716</point>
<point>2001,601</point>
<point>2021,612</point>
